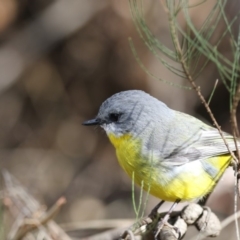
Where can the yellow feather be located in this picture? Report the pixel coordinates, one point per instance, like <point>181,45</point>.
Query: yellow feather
<point>186,185</point>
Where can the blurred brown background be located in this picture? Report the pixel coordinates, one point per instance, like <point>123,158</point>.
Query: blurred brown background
<point>58,61</point>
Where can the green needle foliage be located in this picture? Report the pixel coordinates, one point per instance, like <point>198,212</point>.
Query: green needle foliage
<point>191,44</point>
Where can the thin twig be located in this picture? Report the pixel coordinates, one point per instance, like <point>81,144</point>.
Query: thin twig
<point>190,79</point>
<point>108,235</point>
<point>97,224</point>
<point>229,219</point>
<point>213,91</point>
<point>31,224</point>
<point>206,105</point>
<point>25,208</point>
<point>235,130</point>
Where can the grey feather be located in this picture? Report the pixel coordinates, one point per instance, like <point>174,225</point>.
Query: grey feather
<point>172,137</point>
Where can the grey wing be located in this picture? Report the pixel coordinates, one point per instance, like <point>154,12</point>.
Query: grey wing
<point>187,139</point>
<point>211,143</point>
<point>208,144</point>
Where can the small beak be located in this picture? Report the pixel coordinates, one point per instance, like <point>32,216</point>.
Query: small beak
<point>91,122</point>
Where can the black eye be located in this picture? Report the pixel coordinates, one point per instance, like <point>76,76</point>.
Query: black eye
<point>114,117</point>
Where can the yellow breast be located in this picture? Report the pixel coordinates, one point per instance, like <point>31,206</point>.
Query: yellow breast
<point>186,182</point>
<point>128,150</point>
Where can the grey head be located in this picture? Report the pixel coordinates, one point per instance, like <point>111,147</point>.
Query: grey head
<point>171,136</point>
<point>130,111</point>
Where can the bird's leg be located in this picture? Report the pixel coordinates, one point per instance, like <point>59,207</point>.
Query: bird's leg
<point>155,210</point>
<point>202,202</point>
<point>236,168</point>
<point>165,219</point>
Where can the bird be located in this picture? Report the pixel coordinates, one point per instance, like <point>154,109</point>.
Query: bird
<point>172,155</point>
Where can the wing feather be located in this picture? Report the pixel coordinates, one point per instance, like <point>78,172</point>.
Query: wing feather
<point>209,144</point>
